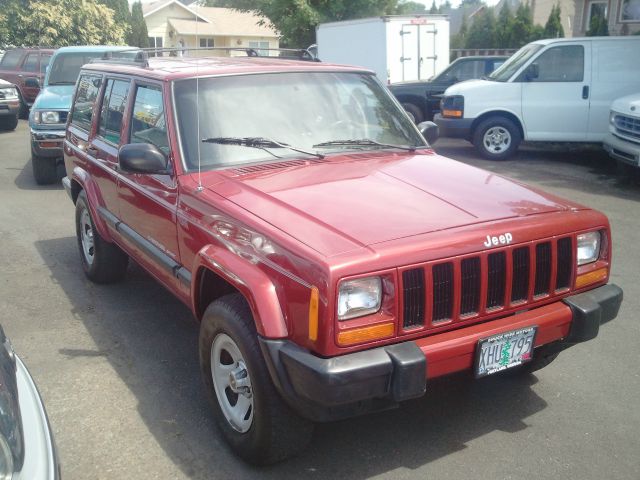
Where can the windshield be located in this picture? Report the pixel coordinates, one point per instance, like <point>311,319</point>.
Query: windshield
<point>513,64</point>
<point>65,68</point>
<point>304,110</point>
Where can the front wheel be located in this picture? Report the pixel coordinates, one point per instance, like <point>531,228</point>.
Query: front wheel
<point>45,170</point>
<point>8,123</point>
<point>255,421</point>
<point>414,112</point>
<point>497,138</point>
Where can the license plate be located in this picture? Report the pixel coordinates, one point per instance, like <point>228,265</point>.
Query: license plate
<point>505,350</point>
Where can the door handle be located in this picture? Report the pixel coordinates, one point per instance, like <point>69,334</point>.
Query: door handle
<point>93,151</point>
<point>585,92</point>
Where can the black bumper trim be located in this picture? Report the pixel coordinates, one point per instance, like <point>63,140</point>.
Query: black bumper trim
<point>454,127</point>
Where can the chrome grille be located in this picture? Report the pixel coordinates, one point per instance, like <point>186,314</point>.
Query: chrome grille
<point>627,126</point>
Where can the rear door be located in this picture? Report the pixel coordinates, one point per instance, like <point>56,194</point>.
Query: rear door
<point>555,103</point>
<point>410,54</point>
<point>34,66</point>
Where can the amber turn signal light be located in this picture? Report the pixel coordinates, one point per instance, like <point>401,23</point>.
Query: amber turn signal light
<point>366,334</point>
<point>591,277</point>
<point>452,113</point>
<point>313,314</point>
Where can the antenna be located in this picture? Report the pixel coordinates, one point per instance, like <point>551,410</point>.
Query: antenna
<point>200,187</point>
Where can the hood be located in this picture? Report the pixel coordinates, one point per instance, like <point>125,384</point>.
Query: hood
<point>4,83</point>
<point>467,86</point>
<point>362,200</point>
<point>629,105</point>
<point>54,97</point>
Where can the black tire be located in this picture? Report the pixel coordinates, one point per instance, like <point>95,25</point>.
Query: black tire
<point>274,432</point>
<point>414,112</point>
<point>505,130</point>
<point>24,108</point>
<point>45,170</point>
<point>107,263</point>
<point>8,123</point>
<point>629,173</point>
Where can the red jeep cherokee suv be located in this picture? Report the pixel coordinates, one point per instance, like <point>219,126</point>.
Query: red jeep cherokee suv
<point>335,262</point>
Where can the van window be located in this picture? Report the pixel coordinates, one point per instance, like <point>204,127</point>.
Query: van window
<point>148,123</point>
<point>113,105</point>
<point>86,94</point>
<point>561,64</point>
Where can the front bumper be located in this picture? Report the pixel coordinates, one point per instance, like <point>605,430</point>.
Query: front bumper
<point>623,150</point>
<point>9,108</point>
<point>324,389</point>
<point>40,455</point>
<point>47,143</point>
<point>453,127</point>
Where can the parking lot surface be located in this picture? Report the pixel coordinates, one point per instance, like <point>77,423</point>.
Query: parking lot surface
<point>118,371</point>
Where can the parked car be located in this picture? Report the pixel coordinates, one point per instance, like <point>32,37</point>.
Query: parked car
<point>49,112</point>
<point>421,99</point>
<point>335,262</point>
<point>557,90</point>
<point>25,68</point>
<point>623,140</point>
<point>9,106</point>
<point>27,447</point>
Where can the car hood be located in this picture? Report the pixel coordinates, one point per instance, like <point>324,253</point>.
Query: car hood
<point>467,86</point>
<point>55,97</point>
<point>361,200</point>
<point>4,83</point>
<point>629,105</point>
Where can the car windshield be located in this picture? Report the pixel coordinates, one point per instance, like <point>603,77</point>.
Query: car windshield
<point>243,118</point>
<point>513,64</point>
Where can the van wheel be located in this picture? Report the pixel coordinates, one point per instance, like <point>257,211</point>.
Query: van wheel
<point>8,123</point>
<point>414,112</point>
<point>102,261</point>
<point>497,138</point>
<point>45,170</point>
<point>255,421</point>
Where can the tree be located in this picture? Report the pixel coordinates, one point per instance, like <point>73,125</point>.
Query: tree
<point>121,13</point>
<point>138,36</point>
<point>504,27</point>
<point>598,26</point>
<point>459,40</point>
<point>482,31</point>
<point>60,23</point>
<point>409,8</point>
<point>434,8</point>
<point>553,27</point>
<point>522,26</point>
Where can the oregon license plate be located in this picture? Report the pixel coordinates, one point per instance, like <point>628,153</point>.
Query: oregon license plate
<point>505,350</point>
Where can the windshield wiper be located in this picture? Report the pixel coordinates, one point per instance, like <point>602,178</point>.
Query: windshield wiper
<point>364,142</point>
<point>257,142</point>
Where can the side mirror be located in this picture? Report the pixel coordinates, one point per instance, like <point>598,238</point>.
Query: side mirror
<point>32,82</point>
<point>142,158</point>
<point>429,131</point>
<point>533,71</point>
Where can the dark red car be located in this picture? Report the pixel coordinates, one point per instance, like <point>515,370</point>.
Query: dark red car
<point>25,68</point>
<point>335,262</point>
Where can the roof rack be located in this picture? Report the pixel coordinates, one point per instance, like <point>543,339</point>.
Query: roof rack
<point>124,56</point>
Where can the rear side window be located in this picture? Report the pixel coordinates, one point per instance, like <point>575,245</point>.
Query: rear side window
<point>35,63</point>
<point>10,60</point>
<point>113,105</point>
<point>86,95</point>
<point>561,64</point>
<point>148,124</point>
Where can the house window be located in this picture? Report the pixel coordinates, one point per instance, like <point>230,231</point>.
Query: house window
<point>630,11</point>
<point>258,46</point>
<point>206,42</point>
<point>595,9</point>
<point>155,42</point>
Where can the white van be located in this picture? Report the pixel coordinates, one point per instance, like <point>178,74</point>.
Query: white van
<point>623,140</point>
<point>557,90</point>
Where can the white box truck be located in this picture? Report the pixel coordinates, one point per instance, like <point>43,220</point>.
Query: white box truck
<point>398,48</point>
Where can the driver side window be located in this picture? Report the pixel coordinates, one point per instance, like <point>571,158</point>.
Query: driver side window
<point>561,64</point>
<point>148,123</point>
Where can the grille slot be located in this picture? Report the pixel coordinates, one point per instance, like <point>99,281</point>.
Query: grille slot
<point>564,263</point>
<point>520,276</point>
<point>543,269</point>
<point>628,126</point>
<point>496,281</point>
<point>413,297</point>
<point>470,295</point>
<point>442,292</point>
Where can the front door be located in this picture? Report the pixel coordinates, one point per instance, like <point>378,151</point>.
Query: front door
<point>555,98</point>
<point>148,202</point>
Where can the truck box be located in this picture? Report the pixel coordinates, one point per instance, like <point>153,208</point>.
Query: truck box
<point>397,48</point>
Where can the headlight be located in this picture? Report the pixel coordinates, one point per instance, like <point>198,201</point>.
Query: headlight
<point>359,297</point>
<point>452,106</point>
<point>9,93</point>
<point>612,118</point>
<point>6,459</point>
<point>588,249</point>
<point>46,117</point>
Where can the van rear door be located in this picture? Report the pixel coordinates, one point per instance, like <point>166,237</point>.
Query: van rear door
<point>555,93</point>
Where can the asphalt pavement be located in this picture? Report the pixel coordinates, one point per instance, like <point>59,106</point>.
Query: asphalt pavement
<point>118,371</point>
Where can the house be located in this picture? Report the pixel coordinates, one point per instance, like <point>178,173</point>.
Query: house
<point>171,23</point>
<point>623,16</point>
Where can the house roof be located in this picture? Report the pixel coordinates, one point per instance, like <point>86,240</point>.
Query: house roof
<point>215,21</point>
